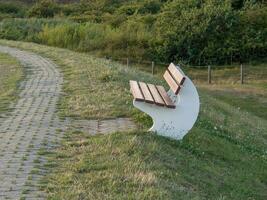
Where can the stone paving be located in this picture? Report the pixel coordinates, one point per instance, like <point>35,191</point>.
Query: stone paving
<point>31,124</point>
<point>105,126</point>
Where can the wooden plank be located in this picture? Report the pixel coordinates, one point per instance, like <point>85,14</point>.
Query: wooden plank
<point>171,82</point>
<point>155,94</point>
<point>138,96</point>
<point>167,100</point>
<point>176,74</point>
<point>146,93</point>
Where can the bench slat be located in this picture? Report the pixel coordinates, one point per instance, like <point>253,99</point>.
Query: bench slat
<point>138,96</point>
<point>158,99</point>
<point>165,97</point>
<point>147,95</point>
<point>176,74</point>
<point>172,83</point>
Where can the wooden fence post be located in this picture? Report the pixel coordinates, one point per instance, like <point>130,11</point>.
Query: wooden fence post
<point>153,65</point>
<point>209,74</point>
<point>241,74</point>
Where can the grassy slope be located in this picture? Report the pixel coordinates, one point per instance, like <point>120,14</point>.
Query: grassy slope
<point>223,157</point>
<point>11,74</point>
<point>89,81</point>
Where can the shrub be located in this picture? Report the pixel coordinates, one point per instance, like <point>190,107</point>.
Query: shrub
<point>44,9</point>
<point>25,29</point>
<point>193,31</point>
<point>201,33</point>
<point>65,35</point>
<point>253,32</point>
<point>12,9</point>
<point>130,39</point>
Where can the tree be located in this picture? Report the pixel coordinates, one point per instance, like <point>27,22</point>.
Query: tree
<point>195,31</point>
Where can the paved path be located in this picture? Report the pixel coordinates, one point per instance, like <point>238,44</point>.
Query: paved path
<point>105,126</point>
<point>31,125</point>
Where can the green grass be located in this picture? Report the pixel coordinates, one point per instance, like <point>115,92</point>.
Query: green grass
<point>250,98</point>
<point>144,166</point>
<point>223,156</point>
<point>230,74</point>
<point>93,87</point>
<point>11,74</point>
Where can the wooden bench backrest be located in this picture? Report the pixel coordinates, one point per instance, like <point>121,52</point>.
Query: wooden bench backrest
<point>174,78</point>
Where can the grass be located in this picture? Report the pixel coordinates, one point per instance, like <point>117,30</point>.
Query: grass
<point>250,98</point>
<point>223,156</point>
<point>89,80</point>
<point>11,74</point>
<point>254,72</point>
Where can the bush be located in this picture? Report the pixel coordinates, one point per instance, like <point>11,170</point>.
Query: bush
<point>193,31</point>
<point>201,33</point>
<point>130,39</point>
<point>253,32</point>
<point>12,9</point>
<point>65,35</point>
<point>44,9</point>
<point>25,29</point>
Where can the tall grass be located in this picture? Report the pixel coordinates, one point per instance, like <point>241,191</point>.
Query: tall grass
<point>25,29</point>
<point>84,37</point>
<point>11,74</point>
<point>130,39</point>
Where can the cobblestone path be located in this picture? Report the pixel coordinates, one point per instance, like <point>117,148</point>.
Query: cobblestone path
<point>105,126</point>
<point>31,124</point>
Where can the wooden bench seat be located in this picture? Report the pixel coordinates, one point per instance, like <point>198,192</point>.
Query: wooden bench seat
<point>153,94</point>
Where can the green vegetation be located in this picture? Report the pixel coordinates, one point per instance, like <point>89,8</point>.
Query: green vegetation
<point>230,30</point>
<point>249,98</point>
<point>85,75</point>
<point>10,9</point>
<point>28,30</point>
<point>11,74</point>
<point>46,9</point>
<point>223,157</point>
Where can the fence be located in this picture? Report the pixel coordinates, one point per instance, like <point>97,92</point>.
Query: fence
<point>235,73</point>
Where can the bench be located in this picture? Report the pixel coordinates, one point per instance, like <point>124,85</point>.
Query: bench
<point>174,112</point>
